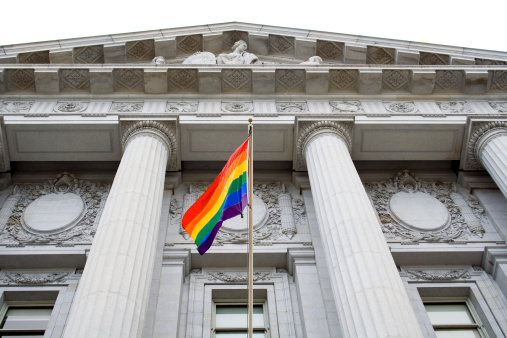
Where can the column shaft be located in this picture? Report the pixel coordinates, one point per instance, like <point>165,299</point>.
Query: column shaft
<point>493,156</point>
<point>368,291</point>
<point>113,292</point>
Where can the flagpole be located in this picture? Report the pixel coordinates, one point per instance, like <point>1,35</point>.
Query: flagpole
<point>250,229</point>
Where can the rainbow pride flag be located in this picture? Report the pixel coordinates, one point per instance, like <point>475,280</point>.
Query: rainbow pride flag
<point>224,199</point>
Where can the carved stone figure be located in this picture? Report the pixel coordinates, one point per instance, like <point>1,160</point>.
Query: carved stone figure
<point>158,60</point>
<point>313,60</point>
<point>239,56</point>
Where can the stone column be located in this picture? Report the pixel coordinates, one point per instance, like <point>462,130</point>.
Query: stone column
<point>113,292</point>
<point>367,288</point>
<point>491,152</point>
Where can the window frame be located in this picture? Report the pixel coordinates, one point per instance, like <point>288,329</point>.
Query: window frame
<point>240,302</point>
<point>24,304</point>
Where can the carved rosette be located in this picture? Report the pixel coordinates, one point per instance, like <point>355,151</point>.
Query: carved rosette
<point>308,129</point>
<point>32,219</point>
<point>480,133</point>
<point>465,215</point>
<point>164,130</point>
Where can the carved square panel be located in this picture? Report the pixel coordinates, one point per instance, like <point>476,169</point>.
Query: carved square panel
<point>128,79</point>
<point>485,62</point>
<point>89,54</point>
<point>433,59</point>
<point>20,79</point>
<point>229,38</point>
<point>189,44</point>
<point>290,80</point>
<point>343,80</point>
<point>140,50</point>
<point>498,80</point>
<point>330,50</point>
<point>34,57</point>
<point>236,80</point>
<point>183,80</point>
<point>281,45</point>
<point>74,79</point>
<point>449,80</point>
<point>396,80</point>
<point>380,55</point>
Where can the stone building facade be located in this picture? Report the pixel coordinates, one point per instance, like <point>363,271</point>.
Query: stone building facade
<point>380,184</point>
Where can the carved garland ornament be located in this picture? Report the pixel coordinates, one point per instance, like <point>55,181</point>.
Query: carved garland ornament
<point>465,214</point>
<point>479,134</point>
<point>310,129</point>
<point>238,277</point>
<point>34,278</point>
<point>438,275</point>
<point>32,222</point>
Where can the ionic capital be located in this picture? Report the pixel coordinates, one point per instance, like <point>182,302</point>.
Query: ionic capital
<point>164,130</point>
<point>307,130</point>
<point>481,132</point>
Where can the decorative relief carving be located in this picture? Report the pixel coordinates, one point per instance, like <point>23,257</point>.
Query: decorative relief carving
<point>140,50</point>
<point>165,129</point>
<point>433,59</point>
<point>75,79</point>
<point>201,58</point>
<point>346,107</point>
<point>501,107</point>
<point>189,44</point>
<point>229,38</point>
<point>70,106</point>
<point>237,107</point>
<point>290,79</point>
<point>380,55</point>
<point>478,130</point>
<point>15,106</point>
<point>486,62</point>
<point>20,79</point>
<point>307,129</point>
<point>34,57</point>
<point>281,44</point>
<point>236,79</point>
<point>449,79</point>
<point>455,107</point>
<point>131,79</point>
<point>273,220</point>
<point>238,277</point>
<point>438,275</point>
<point>33,278</point>
<point>46,228</point>
<point>182,107</point>
<point>330,50</point>
<point>291,107</point>
<point>395,229</point>
<point>400,107</point>
<point>342,79</point>
<point>89,54</point>
<point>396,79</point>
<point>127,107</point>
<point>183,80</point>
<point>499,80</point>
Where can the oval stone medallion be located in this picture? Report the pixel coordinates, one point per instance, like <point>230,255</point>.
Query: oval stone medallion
<point>238,224</point>
<point>419,210</point>
<point>53,213</point>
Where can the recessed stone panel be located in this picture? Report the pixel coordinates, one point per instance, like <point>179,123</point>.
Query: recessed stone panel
<point>419,210</point>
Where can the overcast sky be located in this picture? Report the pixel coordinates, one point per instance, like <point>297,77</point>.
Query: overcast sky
<point>477,24</point>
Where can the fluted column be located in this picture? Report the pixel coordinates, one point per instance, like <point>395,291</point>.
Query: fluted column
<point>491,151</point>
<point>113,292</point>
<point>368,291</point>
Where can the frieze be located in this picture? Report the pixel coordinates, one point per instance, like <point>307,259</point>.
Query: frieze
<point>346,107</point>
<point>439,274</point>
<point>78,227</point>
<point>461,224</point>
<point>33,278</point>
<point>400,107</point>
<point>455,107</point>
<point>238,277</point>
<point>237,107</point>
<point>501,106</point>
<point>182,107</point>
<point>291,107</point>
<point>126,107</point>
<point>70,106</point>
<point>22,107</point>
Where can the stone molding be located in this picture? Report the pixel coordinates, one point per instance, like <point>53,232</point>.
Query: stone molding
<point>309,129</point>
<point>437,273</point>
<point>165,130</point>
<point>480,133</point>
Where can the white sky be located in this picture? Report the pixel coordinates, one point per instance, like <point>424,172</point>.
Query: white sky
<point>465,23</point>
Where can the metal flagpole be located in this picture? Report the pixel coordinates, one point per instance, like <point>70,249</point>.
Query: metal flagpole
<point>250,229</point>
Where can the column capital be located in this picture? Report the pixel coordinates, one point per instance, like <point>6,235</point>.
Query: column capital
<point>481,132</point>
<point>308,129</point>
<point>165,130</point>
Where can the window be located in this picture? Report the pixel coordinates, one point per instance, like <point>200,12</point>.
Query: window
<point>231,320</point>
<point>454,319</point>
<point>24,319</point>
